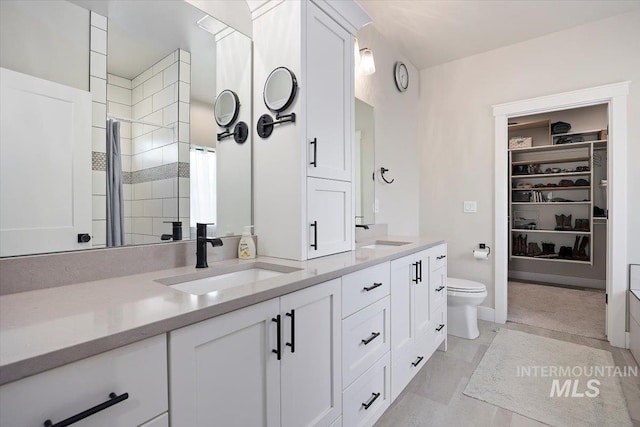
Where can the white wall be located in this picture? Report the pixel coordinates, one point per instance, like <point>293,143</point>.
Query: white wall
<point>397,139</point>
<point>202,124</point>
<point>457,135</point>
<point>47,39</point>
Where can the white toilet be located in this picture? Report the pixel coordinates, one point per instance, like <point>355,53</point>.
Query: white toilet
<point>463,299</point>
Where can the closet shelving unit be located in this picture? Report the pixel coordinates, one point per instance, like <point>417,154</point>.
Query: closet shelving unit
<point>577,200</point>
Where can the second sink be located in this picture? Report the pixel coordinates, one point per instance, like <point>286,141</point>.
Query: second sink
<point>383,244</point>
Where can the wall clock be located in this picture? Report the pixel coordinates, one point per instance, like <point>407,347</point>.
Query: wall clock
<point>401,76</point>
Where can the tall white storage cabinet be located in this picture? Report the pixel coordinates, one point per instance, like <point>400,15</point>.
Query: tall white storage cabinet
<point>277,363</point>
<point>303,186</point>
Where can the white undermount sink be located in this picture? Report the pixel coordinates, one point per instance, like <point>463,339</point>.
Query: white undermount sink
<point>384,244</point>
<point>212,280</point>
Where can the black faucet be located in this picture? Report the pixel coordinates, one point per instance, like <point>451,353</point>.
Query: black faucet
<point>201,245</point>
<point>176,230</point>
<point>366,227</point>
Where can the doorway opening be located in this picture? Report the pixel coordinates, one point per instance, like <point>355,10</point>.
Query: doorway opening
<point>541,190</point>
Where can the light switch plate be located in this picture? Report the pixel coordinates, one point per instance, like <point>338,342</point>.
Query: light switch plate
<point>470,206</point>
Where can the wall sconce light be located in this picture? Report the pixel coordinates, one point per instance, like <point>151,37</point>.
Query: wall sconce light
<point>366,61</point>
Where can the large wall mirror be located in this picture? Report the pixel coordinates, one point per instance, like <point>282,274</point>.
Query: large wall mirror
<point>149,149</point>
<point>365,163</point>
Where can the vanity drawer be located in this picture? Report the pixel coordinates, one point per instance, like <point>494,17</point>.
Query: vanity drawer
<point>364,287</point>
<point>438,257</point>
<point>406,363</point>
<point>365,338</point>
<point>364,401</point>
<point>437,329</point>
<point>138,369</point>
<point>437,289</point>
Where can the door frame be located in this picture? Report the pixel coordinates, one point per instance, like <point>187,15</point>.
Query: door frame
<point>615,95</point>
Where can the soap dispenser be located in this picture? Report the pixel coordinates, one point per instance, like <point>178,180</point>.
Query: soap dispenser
<point>247,247</point>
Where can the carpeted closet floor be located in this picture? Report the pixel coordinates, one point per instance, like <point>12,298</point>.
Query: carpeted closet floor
<point>577,312</point>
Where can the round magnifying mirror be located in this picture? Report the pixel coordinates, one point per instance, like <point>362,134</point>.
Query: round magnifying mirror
<point>226,108</point>
<point>280,89</point>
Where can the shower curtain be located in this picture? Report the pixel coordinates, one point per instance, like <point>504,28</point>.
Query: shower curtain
<point>115,210</point>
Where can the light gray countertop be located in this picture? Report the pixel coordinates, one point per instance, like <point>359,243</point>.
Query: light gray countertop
<point>44,329</point>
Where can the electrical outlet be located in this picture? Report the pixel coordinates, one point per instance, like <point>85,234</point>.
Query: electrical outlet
<point>470,206</point>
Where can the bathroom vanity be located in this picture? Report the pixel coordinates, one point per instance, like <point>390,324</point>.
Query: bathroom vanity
<point>319,342</point>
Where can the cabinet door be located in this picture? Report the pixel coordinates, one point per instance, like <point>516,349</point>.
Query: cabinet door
<point>311,361</point>
<point>223,372</point>
<point>420,295</point>
<point>329,97</point>
<point>403,278</point>
<point>329,215</point>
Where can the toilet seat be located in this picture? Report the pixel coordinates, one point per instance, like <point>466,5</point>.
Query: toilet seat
<point>465,286</point>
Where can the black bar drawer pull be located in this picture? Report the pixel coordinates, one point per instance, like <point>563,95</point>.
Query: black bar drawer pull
<point>114,399</point>
<point>278,350</point>
<point>314,245</point>
<point>372,287</point>
<point>415,264</point>
<point>440,288</point>
<point>373,398</point>
<point>372,337</point>
<point>441,257</point>
<point>439,328</point>
<point>417,362</point>
<point>292,344</point>
<point>314,163</point>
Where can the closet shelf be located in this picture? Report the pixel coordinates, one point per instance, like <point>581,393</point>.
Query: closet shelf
<point>574,187</point>
<point>547,175</point>
<point>545,161</point>
<point>529,125</point>
<point>543,148</point>
<point>574,261</point>
<point>577,133</point>
<point>550,203</point>
<point>525,231</point>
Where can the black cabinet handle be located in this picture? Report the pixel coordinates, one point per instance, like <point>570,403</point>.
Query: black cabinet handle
<point>420,270</point>
<point>441,257</point>
<point>417,362</point>
<point>439,328</point>
<point>292,344</point>
<point>372,287</point>
<point>415,264</point>
<point>314,163</point>
<point>314,245</point>
<point>440,288</point>
<point>278,350</point>
<point>373,398</point>
<point>372,337</point>
<point>114,399</point>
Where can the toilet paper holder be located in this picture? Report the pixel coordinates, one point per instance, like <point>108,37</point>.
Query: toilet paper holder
<point>483,253</point>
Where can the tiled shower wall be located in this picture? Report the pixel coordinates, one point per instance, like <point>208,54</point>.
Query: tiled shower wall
<point>98,88</point>
<point>151,166</point>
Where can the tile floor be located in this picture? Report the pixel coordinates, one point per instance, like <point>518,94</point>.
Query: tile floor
<point>434,397</point>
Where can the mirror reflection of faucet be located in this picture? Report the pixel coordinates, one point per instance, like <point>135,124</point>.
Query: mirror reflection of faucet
<point>176,231</point>
<point>201,244</point>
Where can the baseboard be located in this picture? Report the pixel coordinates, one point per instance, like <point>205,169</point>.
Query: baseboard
<point>560,280</point>
<point>486,313</point>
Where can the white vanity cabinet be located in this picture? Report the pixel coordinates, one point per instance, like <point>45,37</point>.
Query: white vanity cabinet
<point>418,313</point>
<point>134,375</point>
<point>329,91</point>
<point>303,172</point>
<point>366,340</point>
<point>276,363</point>
<point>330,220</point>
